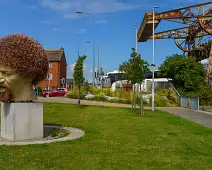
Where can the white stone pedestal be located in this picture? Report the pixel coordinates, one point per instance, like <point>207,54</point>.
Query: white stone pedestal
<point>22,121</point>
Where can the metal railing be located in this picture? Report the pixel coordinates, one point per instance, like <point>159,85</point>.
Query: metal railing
<point>189,102</point>
<point>162,85</point>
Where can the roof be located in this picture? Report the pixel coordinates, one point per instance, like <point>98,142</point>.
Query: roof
<point>55,55</point>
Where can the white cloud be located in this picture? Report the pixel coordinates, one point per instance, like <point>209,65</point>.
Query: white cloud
<point>68,7</point>
<point>55,29</point>
<point>86,68</point>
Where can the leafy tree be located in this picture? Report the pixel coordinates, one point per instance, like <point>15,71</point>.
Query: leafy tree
<point>78,75</point>
<point>135,69</point>
<point>185,73</point>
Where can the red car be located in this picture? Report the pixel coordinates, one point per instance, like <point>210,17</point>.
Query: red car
<point>59,92</point>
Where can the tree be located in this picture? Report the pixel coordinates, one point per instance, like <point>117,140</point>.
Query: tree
<point>78,75</point>
<point>185,73</point>
<point>135,69</point>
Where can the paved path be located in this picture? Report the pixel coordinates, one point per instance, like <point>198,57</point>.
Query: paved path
<point>84,102</point>
<point>199,117</point>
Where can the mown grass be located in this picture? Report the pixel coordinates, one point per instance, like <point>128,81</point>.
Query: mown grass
<point>115,139</point>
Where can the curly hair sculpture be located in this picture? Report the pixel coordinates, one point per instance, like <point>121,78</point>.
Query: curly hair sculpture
<point>25,55</point>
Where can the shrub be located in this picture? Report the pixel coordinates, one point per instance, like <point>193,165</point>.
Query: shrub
<point>169,94</point>
<point>161,92</point>
<point>204,93</point>
<point>108,92</point>
<point>163,97</point>
<point>94,90</point>
<point>128,97</point>
<point>119,94</point>
<point>90,97</point>
<point>160,102</point>
<point>73,94</point>
<point>101,97</point>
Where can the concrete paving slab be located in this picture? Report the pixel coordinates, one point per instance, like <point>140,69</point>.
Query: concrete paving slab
<point>75,134</point>
<point>199,117</point>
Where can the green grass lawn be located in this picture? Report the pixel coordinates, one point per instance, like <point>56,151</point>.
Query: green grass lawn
<point>116,139</point>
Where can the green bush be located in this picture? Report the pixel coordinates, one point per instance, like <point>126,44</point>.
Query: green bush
<point>128,97</point>
<point>164,97</point>
<point>109,92</point>
<point>100,97</point>
<point>204,93</point>
<point>171,95</point>
<point>160,101</point>
<point>94,90</point>
<point>59,133</point>
<point>161,92</point>
<point>73,94</point>
<point>173,99</point>
<point>119,94</point>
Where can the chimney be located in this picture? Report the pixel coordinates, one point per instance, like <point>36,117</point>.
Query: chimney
<point>62,48</point>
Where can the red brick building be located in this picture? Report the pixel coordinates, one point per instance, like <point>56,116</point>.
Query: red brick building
<point>57,70</point>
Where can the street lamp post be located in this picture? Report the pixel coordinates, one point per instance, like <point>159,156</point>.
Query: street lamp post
<point>93,45</point>
<point>93,64</point>
<point>153,62</point>
<point>66,77</point>
<point>78,50</point>
<point>99,73</point>
<point>136,37</point>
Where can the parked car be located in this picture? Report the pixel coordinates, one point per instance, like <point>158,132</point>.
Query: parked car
<point>59,92</point>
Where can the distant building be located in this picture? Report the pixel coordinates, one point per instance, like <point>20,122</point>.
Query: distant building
<point>116,75</point>
<point>57,70</point>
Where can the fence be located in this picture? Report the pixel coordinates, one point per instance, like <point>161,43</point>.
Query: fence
<point>159,85</point>
<point>189,102</point>
<point>186,102</point>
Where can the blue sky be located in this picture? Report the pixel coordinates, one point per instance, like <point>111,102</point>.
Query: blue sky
<point>54,24</point>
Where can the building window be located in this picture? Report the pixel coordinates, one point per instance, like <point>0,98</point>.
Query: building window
<point>50,65</point>
<point>49,76</point>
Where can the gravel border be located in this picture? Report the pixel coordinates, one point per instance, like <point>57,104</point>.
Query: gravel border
<point>74,134</point>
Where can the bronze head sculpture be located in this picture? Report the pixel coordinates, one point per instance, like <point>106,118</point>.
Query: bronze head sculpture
<point>23,62</point>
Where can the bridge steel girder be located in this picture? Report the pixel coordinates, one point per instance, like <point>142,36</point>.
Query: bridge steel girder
<point>185,15</point>
<point>179,33</point>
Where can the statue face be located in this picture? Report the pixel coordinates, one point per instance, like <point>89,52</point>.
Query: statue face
<point>11,84</point>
